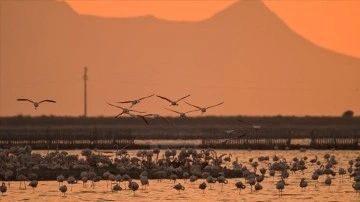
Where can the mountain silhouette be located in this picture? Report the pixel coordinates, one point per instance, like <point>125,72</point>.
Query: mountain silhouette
<point>244,50</point>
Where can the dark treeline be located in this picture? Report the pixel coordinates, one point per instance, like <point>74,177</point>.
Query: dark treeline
<point>273,121</point>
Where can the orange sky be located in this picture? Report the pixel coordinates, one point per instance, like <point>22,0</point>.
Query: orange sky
<point>332,24</point>
<point>318,21</point>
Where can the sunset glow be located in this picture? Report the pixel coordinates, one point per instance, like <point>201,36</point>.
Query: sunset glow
<point>258,57</point>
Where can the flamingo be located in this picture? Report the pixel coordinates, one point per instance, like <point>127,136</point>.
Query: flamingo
<point>203,186</point>
<point>256,127</point>
<point>133,186</point>
<point>144,180</point>
<point>63,189</point>
<point>36,104</point>
<point>60,179</point>
<point>240,186</point>
<point>157,116</point>
<point>133,116</point>
<point>328,182</point>
<point>3,188</point>
<point>182,114</point>
<point>124,110</point>
<point>355,186</point>
<point>234,132</point>
<point>280,185</point>
<point>136,101</point>
<point>303,184</point>
<point>179,187</point>
<point>33,184</point>
<point>116,188</point>
<point>203,109</point>
<point>173,103</point>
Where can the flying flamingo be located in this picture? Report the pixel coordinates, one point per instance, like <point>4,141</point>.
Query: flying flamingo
<point>182,114</point>
<point>134,102</point>
<point>124,110</point>
<point>133,116</point>
<point>173,103</point>
<point>36,104</point>
<point>157,116</point>
<point>203,109</point>
<point>256,127</point>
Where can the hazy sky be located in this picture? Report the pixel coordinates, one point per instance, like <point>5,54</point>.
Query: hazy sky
<point>317,20</point>
<point>331,24</point>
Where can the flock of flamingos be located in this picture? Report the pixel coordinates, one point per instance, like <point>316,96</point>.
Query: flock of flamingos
<point>206,166</point>
<point>21,164</point>
<point>129,111</point>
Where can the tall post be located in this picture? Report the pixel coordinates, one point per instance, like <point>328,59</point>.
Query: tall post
<point>85,77</point>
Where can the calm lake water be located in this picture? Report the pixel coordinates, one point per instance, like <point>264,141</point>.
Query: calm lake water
<point>163,190</point>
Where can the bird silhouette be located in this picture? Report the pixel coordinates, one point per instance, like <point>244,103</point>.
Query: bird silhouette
<point>133,116</point>
<point>179,187</point>
<point>63,189</point>
<point>203,109</point>
<point>60,179</point>
<point>136,101</point>
<point>280,185</point>
<point>240,185</point>
<point>33,184</point>
<point>173,103</point>
<point>133,186</point>
<point>256,127</point>
<point>181,114</point>
<point>116,188</point>
<point>303,184</point>
<point>124,110</point>
<point>3,188</point>
<point>144,182</point>
<point>157,116</point>
<point>203,186</point>
<point>328,181</point>
<point>36,104</point>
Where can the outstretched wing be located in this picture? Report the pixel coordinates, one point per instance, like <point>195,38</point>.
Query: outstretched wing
<point>136,111</point>
<point>47,101</point>
<point>22,99</point>
<point>195,110</point>
<point>245,122</point>
<point>164,98</point>
<point>214,105</point>
<point>130,101</point>
<point>115,106</point>
<point>119,114</point>
<point>173,110</point>
<point>239,136</point>
<point>192,105</point>
<point>163,118</point>
<point>146,97</point>
<point>143,118</point>
<point>183,98</point>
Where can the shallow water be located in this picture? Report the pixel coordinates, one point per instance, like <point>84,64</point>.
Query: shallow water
<point>163,190</point>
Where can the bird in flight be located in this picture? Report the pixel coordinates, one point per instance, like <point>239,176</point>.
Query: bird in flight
<point>173,103</point>
<point>124,110</point>
<point>203,109</point>
<point>157,116</point>
<point>136,101</point>
<point>234,132</point>
<point>36,104</point>
<point>133,116</point>
<point>256,127</point>
<point>182,114</point>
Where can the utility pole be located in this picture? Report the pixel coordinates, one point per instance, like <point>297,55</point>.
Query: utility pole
<point>85,77</point>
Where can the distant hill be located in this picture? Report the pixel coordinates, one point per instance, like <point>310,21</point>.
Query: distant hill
<point>244,55</point>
